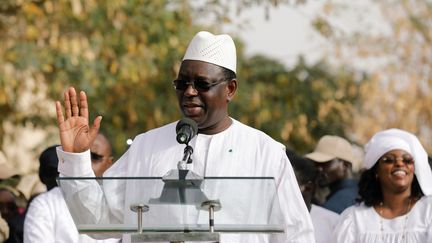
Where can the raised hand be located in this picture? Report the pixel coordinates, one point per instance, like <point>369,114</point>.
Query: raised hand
<point>75,134</point>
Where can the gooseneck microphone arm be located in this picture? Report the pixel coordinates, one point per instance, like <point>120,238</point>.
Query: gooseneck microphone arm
<point>186,129</point>
<point>182,165</point>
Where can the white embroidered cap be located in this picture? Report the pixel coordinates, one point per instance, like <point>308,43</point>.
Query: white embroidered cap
<point>387,140</point>
<point>216,49</point>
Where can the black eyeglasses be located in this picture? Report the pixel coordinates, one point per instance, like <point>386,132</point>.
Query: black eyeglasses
<point>95,156</point>
<point>390,159</point>
<point>199,85</point>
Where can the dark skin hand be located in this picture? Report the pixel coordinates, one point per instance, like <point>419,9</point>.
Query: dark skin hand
<point>76,135</point>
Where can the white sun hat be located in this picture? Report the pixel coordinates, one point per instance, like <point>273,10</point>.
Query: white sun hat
<point>216,49</point>
<point>387,140</point>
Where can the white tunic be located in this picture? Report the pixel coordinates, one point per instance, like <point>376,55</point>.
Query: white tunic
<point>324,222</point>
<point>361,224</point>
<point>239,151</point>
<point>48,220</point>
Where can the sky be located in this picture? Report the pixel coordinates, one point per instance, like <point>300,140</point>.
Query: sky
<point>288,32</point>
<point>285,35</point>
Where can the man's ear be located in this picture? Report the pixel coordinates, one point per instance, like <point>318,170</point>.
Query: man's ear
<point>231,89</point>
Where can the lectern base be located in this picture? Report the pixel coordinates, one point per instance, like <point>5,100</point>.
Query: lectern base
<point>175,237</point>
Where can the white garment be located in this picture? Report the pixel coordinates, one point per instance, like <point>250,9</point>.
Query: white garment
<point>324,222</point>
<point>48,220</point>
<point>239,151</point>
<point>361,224</point>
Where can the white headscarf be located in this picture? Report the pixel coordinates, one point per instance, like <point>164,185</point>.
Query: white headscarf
<point>387,140</point>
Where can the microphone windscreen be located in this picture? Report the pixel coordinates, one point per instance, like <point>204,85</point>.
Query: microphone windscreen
<point>186,129</point>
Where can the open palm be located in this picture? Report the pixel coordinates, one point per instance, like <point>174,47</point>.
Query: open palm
<point>75,133</point>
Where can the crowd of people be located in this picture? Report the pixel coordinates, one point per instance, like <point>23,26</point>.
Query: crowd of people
<point>322,199</point>
<point>389,203</point>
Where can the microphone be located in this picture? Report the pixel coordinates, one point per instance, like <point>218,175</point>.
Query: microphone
<point>186,129</point>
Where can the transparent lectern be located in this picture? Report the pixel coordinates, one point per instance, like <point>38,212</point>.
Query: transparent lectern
<point>156,209</point>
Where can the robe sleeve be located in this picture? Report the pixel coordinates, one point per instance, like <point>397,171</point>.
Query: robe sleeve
<point>298,223</point>
<point>89,201</point>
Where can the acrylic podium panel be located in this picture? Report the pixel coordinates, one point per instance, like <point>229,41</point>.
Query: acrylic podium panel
<point>247,204</point>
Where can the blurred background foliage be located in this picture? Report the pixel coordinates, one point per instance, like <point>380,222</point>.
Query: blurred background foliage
<point>392,42</point>
<point>125,53</point>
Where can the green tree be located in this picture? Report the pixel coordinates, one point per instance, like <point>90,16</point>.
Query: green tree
<point>296,106</point>
<point>124,54</point>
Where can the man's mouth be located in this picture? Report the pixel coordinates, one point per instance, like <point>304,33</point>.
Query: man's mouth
<point>191,109</point>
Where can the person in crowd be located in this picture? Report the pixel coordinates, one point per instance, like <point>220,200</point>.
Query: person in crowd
<point>48,164</point>
<point>101,155</point>
<point>323,219</point>
<point>12,212</point>
<point>4,230</point>
<point>48,218</point>
<point>205,86</point>
<point>394,193</point>
<point>12,204</point>
<point>333,157</point>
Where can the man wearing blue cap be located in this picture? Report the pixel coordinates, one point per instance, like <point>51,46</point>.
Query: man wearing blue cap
<point>224,147</point>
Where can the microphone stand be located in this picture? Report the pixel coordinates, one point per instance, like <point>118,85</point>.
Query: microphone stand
<point>183,187</point>
<point>182,164</point>
<point>182,175</point>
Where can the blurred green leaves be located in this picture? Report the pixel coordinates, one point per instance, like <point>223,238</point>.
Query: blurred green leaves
<point>296,106</point>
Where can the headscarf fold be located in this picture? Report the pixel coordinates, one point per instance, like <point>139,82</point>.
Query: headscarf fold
<point>387,140</point>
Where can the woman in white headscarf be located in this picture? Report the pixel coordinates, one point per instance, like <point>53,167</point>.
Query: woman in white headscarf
<point>395,205</point>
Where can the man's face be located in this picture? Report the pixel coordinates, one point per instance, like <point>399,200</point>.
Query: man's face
<point>100,155</point>
<point>8,207</point>
<point>330,172</point>
<point>208,107</point>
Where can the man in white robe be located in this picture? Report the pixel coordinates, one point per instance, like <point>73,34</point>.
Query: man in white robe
<point>224,147</point>
<point>48,219</point>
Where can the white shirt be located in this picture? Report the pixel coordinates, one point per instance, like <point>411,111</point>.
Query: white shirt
<point>361,224</point>
<point>239,151</point>
<point>48,220</point>
<point>324,222</point>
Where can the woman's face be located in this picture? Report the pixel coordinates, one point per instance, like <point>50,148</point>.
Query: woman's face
<point>395,171</point>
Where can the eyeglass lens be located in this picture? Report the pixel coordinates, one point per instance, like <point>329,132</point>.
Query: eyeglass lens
<point>407,159</point>
<point>199,85</point>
